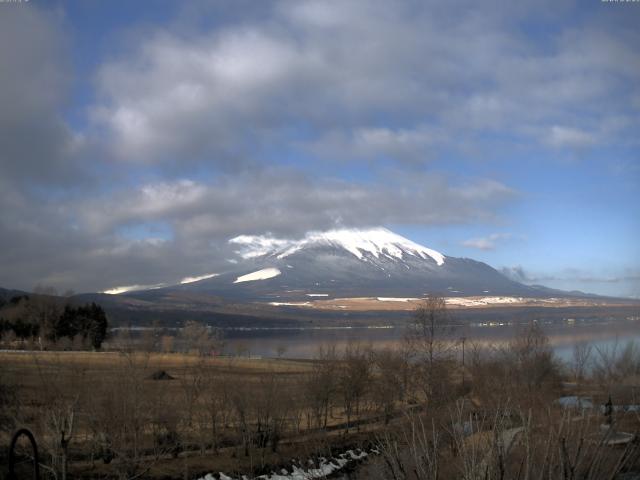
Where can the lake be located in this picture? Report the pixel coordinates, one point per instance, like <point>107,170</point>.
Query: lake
<point>304,342</point>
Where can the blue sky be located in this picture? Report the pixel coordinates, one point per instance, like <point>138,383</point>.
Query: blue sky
<point>140,137</point>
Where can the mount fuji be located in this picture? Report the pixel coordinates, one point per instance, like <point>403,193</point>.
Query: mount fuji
<point>348,263</point>
<point>334,276</point>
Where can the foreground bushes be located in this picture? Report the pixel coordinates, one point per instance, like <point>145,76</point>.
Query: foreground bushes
<point>501,422</point>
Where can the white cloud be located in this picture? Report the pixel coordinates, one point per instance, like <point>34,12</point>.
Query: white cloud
<point>335,66</point>
<point>414,145</point>
<point>152,201</point>
<point>560,137</point>
<point>190,97</point>
<point>284,202</point>
<point>487,243</point>
<point>67,242</point>
<point>201,111</point>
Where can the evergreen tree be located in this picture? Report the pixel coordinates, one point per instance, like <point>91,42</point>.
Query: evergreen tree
<point>98,326</point>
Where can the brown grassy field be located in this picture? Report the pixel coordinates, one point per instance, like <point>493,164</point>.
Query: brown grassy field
<point>104,361</point>
<point>107,415</point>
<point>48,383</point>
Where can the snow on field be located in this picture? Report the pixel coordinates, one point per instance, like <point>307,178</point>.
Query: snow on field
<point>324,468</point>
<point>480,301</point>
<point>462,301</point>
<point>317,294</point>
<point>396,299</point>
<point>259,275</point>
<point>290,304</point>
<point>575,402</point>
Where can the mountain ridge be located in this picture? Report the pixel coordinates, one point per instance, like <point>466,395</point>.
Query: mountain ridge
<point>349,263</point>
<point>339,276</point>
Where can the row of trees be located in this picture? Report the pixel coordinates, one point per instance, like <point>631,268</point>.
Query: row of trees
<point>48,320</point>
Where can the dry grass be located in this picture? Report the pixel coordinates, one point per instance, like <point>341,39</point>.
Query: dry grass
<point>275,392</point>
<point>102,360</point>
<point>40,377</point>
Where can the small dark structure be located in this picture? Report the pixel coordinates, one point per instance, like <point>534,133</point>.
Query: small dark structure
<point>160,375</point>
<point>608,412</point>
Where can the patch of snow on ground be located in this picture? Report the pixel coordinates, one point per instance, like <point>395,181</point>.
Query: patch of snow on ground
<point>324,468</point>
<point>575,402</point>
<point>317,294</point>
<point>259,275</point>
<point>480,301</point>
<point>396,299</point>
<point>290,304</point>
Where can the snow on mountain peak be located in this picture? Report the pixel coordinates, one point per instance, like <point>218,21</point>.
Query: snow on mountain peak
<point>252,246</point>
<point>375,241</point>
<point>263,274</point>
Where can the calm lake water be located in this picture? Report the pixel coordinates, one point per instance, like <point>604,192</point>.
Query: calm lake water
<point>304,343</point>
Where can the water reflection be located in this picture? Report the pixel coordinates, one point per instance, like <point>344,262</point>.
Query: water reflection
<point>304,343</point>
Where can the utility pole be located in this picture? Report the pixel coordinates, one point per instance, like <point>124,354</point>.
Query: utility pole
<point>463,340</point>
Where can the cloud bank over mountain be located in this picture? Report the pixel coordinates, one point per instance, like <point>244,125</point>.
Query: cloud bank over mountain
<point>136,149</point>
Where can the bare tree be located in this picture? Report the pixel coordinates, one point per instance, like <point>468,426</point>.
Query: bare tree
<point>281,350</point>
<point>166,343</point>
<point>321,387</point>
<point>121,412</point>
<point>505,442</point>
<point>270,408</point>
<point>628,362</point>
<point>9,402</point>
<point>163,419</point>
<point>604,365</point>
<point>388,385</point>
<point>150,339</point>
<point>580,360</point>
<point>430,334</point>
<point>611,363</point>
<point>62,390</point>
<point>530,360</point>
<point>200,338</point>
<point>354,378</point>
<point>413,452</point>
<point>216,402</point>
<point>430,341</point>
<point>192,385</point>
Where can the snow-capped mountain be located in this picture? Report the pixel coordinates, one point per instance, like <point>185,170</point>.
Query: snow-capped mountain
<point>337,276</point>
<point>348,263</point>
<point>361,243</point>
